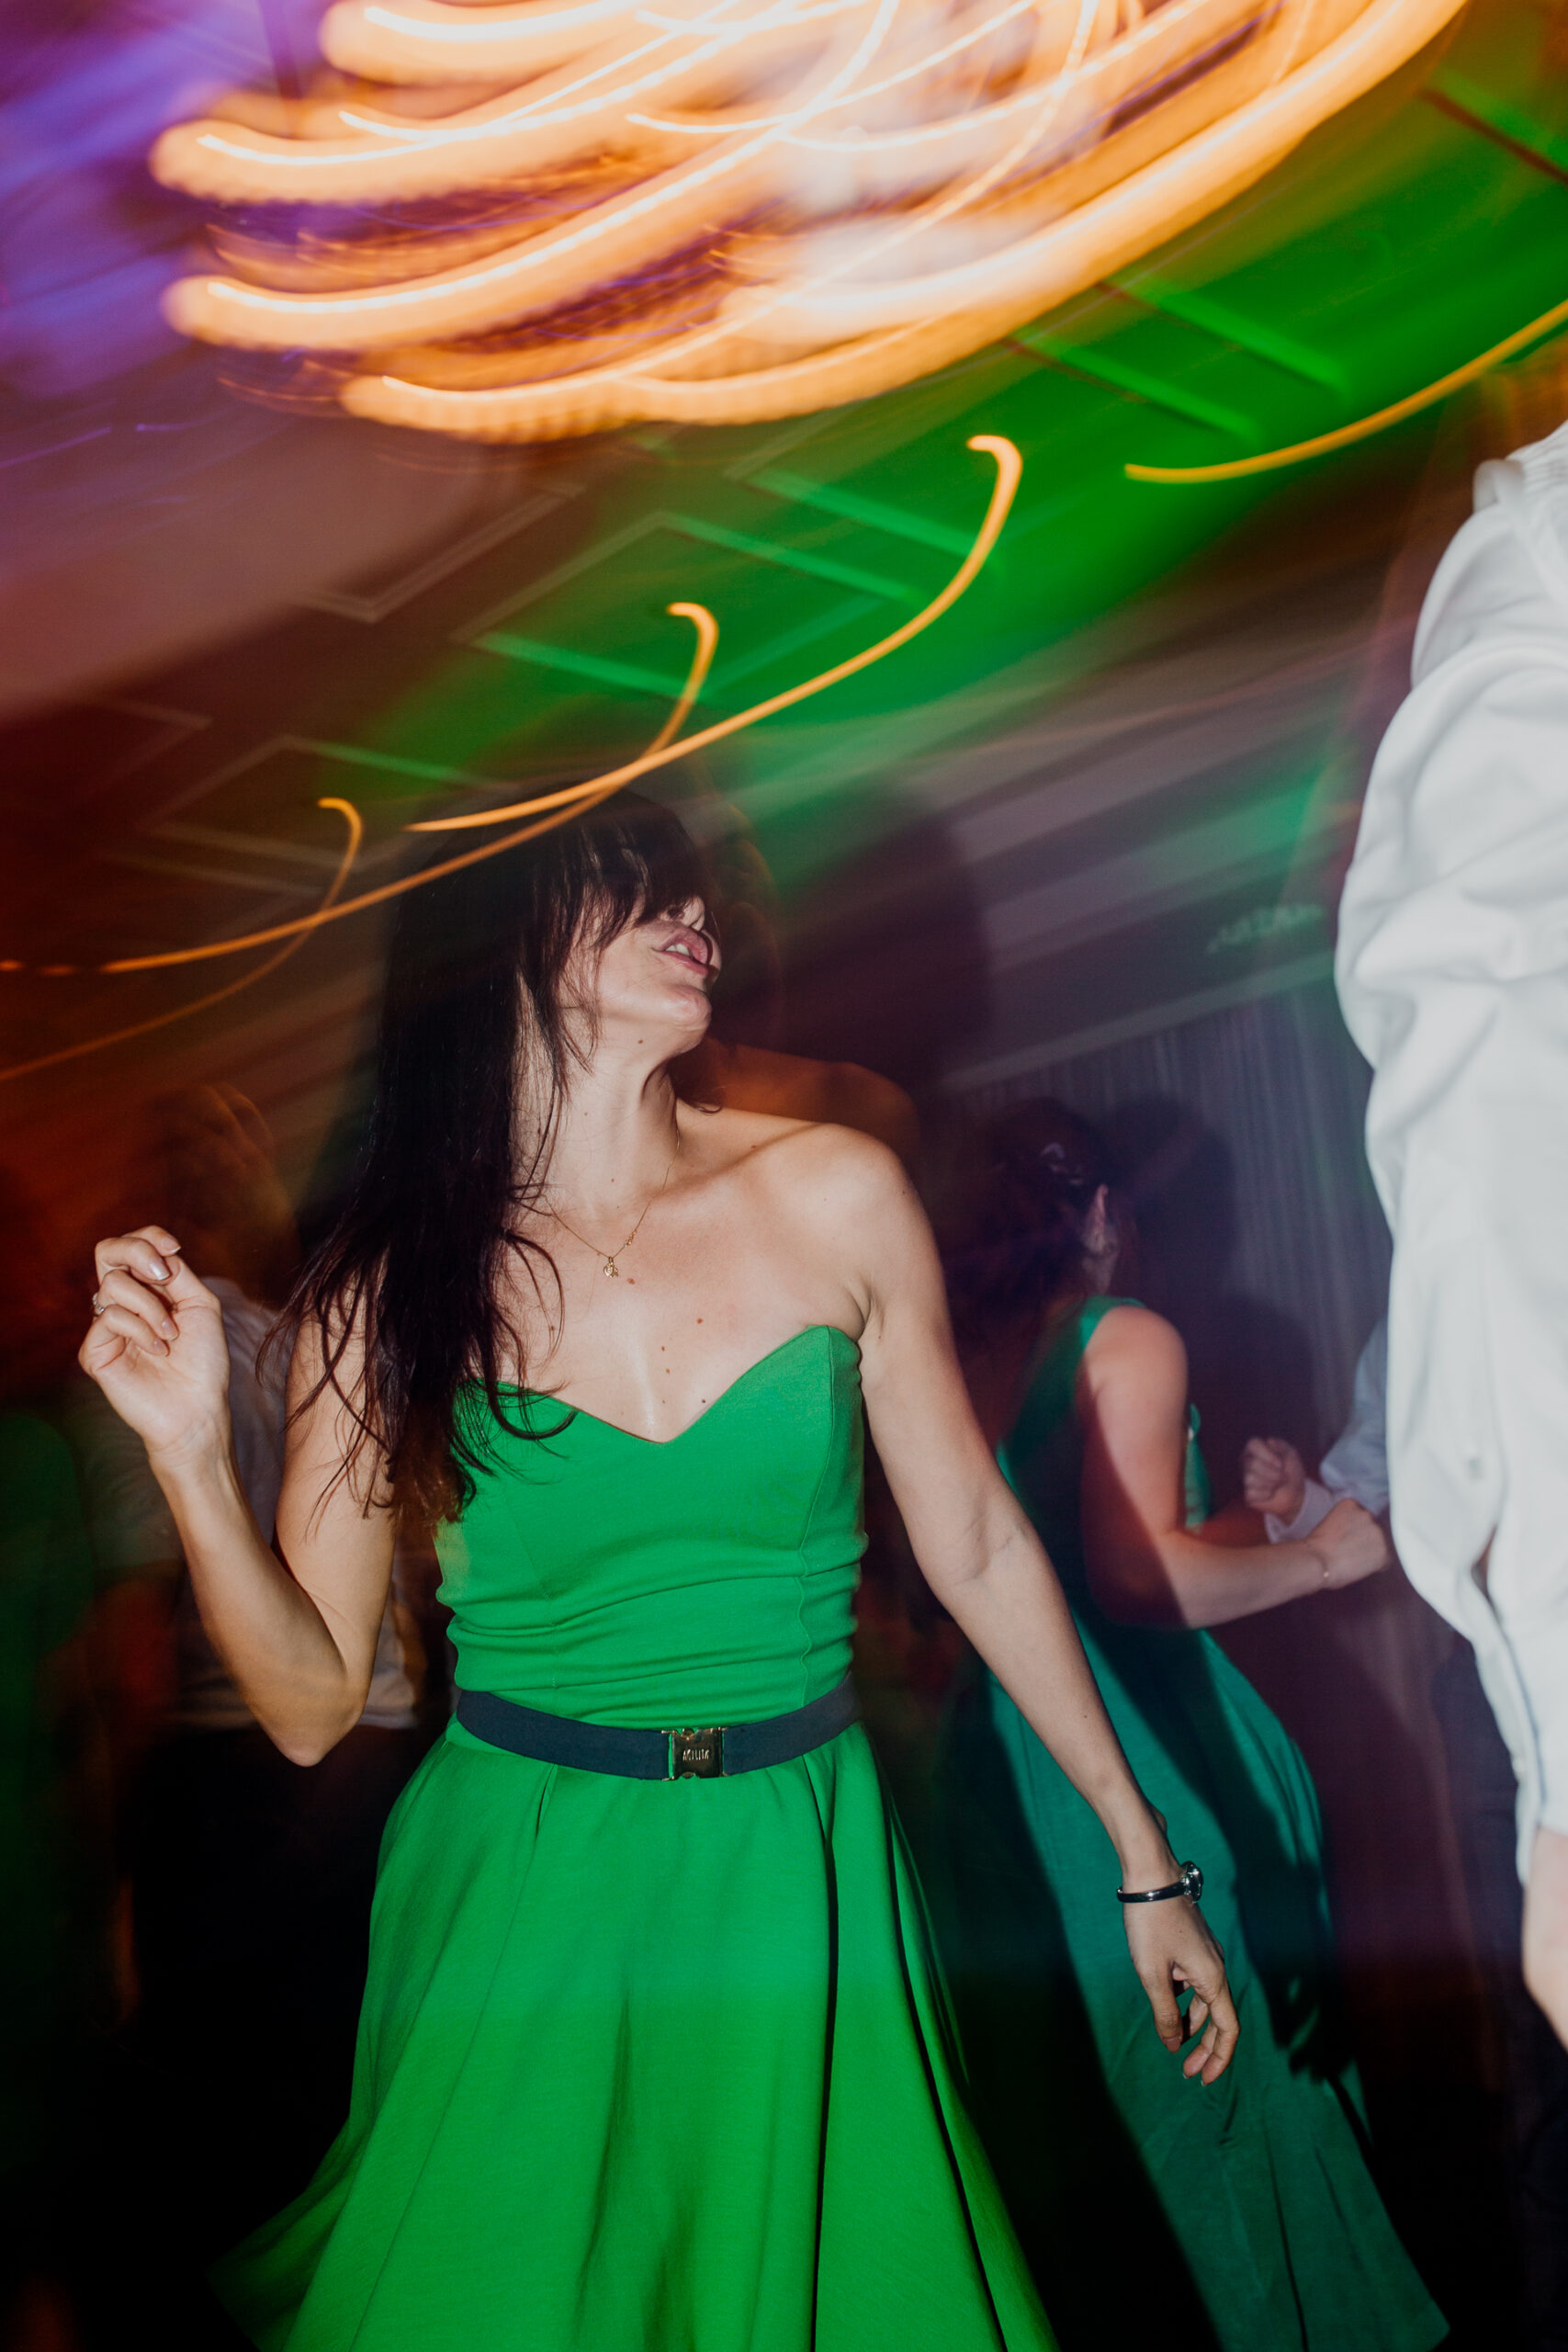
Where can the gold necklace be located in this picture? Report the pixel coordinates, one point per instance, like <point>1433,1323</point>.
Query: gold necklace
<point>610,1269</point>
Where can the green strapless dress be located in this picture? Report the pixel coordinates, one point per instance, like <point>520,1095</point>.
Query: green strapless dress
<point>1250,2197</point>
<point>653,2066</point>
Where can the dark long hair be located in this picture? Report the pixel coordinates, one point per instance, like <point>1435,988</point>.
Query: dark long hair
<point>1014,1246</point>
<point>472,1059</point>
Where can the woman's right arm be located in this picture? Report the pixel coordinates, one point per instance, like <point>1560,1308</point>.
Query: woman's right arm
<point>298,1633</point>
<point>1146,1565</point>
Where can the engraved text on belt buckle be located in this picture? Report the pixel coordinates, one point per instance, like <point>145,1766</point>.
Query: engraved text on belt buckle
<point>696,1755</point>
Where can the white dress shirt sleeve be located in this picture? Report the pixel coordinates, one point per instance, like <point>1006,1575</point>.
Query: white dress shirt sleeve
<point>1357,1462</point>
<point>1317,1504</point>
<point>1452,968</point>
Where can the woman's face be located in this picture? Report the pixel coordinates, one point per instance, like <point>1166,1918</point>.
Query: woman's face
<point>651,983</point>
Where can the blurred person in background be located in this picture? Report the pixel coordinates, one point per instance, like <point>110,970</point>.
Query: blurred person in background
<point>1452,964</point>
<point>738,1064</point>
<point>250,1876</point>
<point>1274,2233</point>
<point>56,1990</point>
<point>1275,1483</point>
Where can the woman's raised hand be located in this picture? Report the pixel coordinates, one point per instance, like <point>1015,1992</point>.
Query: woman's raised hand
<point>156,1346</point>
<point>1350,1544</point>
<point>1173,1947</point>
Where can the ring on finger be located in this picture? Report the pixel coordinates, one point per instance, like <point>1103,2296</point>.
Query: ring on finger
<point>100,1304</point>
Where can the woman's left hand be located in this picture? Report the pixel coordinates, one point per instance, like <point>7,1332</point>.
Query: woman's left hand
<point>1173,1947</point>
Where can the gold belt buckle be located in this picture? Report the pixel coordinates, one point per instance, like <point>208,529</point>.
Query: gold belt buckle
<point>697,1754</point>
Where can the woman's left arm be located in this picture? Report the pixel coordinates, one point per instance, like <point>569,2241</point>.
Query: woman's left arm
<point>984,1561</point>
<point>1146,1564</point>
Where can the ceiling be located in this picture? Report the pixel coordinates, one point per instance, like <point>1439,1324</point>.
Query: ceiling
<point>1108,789</point>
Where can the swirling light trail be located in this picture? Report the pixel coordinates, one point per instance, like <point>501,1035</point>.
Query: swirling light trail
<point>706,627</point>
<point>702,661</point>
<point>1364,426</point>
<point>549,809</point>
<point>945,319</point>
<point>1010,466</point>
<point>355,824</point>
<point>1055,140</point>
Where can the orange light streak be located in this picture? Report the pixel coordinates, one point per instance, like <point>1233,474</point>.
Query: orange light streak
<point>264,157</point>
<point>1010,466</point>
<point>186,1011</point>
<point>965,194</point>
<point>706,627</point>
<point>907,74</point>
<point>383,42</point>
<point>968,194</point>
<point>1365,426</point>
<point>537,274</point>
<point>932,321</point>
<point>702,661</point>
<point>492,43</point>
<point>1225,88</point>
<point>559,808</point>
<point>1028,274</point>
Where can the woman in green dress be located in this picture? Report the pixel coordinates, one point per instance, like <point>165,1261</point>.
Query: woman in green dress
<point>653,2056</point>
<point>1274,2236</point>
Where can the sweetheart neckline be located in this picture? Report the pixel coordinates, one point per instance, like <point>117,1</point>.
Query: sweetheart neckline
<point>635,1437</point>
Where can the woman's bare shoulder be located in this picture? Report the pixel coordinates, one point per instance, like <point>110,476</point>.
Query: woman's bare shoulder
<point>732,1133</point>
<point>789,1152</point>
<point>1132,1341</point>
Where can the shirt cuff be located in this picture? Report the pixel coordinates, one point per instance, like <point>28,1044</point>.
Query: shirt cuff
<point>1317,1504</point>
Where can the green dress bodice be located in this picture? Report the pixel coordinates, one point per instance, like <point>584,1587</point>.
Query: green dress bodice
<point>1041,1454</point>
<point>707,1579</point>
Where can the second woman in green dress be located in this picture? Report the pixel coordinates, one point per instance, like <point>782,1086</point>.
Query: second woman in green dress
<point>1272,2236</point>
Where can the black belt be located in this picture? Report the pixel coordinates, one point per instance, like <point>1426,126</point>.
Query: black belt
<point>717,1751</point>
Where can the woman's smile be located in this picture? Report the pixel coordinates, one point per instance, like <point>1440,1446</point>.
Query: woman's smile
<point>690,946</point>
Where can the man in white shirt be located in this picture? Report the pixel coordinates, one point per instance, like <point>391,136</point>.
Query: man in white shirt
<point>1452,963</point>
<point>1534,2085</point>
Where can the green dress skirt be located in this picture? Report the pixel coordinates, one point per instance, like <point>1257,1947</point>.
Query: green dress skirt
<point>653,2066</point>
<point>1259,2224</point>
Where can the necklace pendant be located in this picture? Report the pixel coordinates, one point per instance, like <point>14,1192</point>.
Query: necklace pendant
<point>611,1270</point>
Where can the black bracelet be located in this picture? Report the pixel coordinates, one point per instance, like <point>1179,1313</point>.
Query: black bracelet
<point>1190,1882</point>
